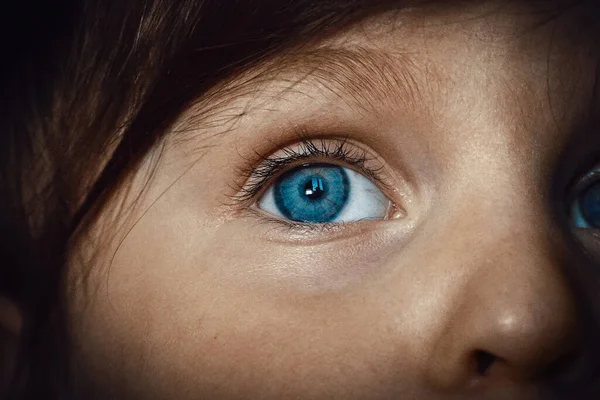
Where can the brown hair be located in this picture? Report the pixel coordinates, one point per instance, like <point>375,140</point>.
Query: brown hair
<point>88,88</point>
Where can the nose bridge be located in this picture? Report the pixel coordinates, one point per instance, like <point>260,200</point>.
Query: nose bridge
<point>506,213</point>
<point>514,313</point>
<point>516,299</point>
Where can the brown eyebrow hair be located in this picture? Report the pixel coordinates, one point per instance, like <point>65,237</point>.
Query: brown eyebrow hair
<point>360,76</point>
<point>367,75</point>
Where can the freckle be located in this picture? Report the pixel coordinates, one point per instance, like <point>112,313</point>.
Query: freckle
<point>215,338</point>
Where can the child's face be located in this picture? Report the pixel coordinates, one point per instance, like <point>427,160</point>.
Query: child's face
<point>451,148</point>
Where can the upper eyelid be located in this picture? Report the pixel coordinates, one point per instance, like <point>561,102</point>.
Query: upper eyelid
<point>364,77</point>
<point>591,176</point>
<point>354,158</point>
<point>587,172</point>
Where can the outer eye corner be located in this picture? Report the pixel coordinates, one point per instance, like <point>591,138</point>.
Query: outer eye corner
<point>395,212</point>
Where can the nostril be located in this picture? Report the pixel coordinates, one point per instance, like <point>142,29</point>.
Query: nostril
<point>484,361</point>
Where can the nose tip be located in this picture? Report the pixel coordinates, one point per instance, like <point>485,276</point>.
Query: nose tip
<point>516,317</point>
<point>524,331</point>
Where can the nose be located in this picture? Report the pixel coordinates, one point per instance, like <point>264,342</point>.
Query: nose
<point>515,315</point>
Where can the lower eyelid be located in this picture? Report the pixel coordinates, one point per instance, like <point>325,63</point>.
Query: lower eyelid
<point>285,231</point>
<point>272,229</point>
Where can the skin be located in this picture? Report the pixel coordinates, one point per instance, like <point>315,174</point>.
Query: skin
<point>184,291</point>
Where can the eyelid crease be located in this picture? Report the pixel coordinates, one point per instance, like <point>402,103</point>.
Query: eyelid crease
<point>306,234</point>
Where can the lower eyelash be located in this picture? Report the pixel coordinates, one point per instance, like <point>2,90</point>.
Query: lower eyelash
<point>306,151</point>
<point>295,226</point>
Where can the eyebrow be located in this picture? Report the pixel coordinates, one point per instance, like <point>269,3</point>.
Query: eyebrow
<point>362,77</point>
<point>368,76</point>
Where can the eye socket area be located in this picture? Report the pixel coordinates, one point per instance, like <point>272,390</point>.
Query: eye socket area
<point>585,204</point>
<point>321,193</point>
<point>583,198</point>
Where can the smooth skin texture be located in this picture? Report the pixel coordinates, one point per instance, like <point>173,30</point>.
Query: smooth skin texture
<point>188,292</point>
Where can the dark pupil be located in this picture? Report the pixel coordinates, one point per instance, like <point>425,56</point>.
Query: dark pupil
<point>590,205</point>
<point>314,189</point>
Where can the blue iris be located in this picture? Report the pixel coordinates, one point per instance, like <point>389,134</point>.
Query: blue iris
<point>315,193</point>
<point>589,204</point>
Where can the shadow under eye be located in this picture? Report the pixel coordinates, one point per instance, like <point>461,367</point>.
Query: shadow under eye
<point>589,239</point>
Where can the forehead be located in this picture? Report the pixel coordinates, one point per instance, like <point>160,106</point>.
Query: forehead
<point>531,71</point>
<point>513,45</point>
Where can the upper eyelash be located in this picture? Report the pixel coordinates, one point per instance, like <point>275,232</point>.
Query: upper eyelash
<point>588,176</point>
<point>586,181</point>
<point>589,179</point>
<point>307,149</point>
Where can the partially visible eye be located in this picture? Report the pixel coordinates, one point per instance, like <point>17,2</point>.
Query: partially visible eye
<point>324,193</point>
<point>585,206</point>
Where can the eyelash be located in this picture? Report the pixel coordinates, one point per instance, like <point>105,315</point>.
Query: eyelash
<point>589,179</point>
<point>305,152</point>
<point>585,177</point>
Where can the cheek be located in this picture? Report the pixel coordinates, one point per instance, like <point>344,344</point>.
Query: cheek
<point>186,307</point>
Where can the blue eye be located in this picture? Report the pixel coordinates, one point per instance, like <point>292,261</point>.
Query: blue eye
<point>585,210</point>
<point>322,193</point>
